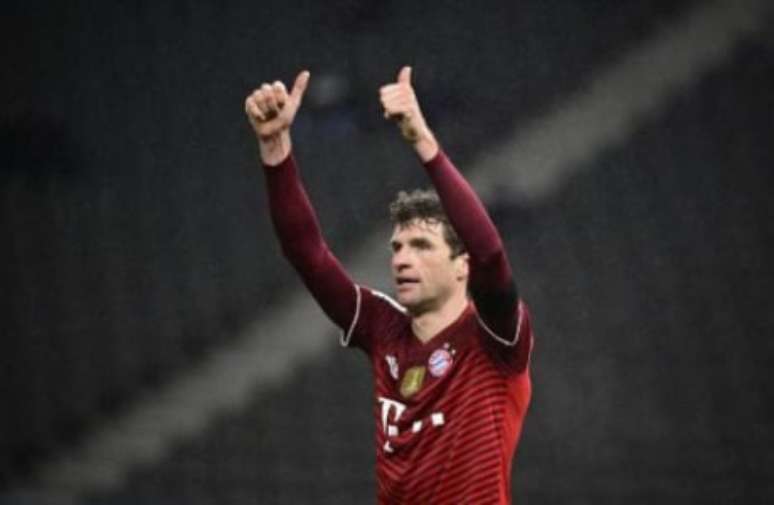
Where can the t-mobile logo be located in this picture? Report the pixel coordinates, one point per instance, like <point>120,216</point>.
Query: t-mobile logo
<point>392,411</point>
<point>387,407</point>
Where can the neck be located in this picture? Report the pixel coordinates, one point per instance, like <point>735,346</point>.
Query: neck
<point>432,322</point>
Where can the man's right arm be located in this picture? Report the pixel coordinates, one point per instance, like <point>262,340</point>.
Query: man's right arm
<point>271,111</point>
<point>303,245</point>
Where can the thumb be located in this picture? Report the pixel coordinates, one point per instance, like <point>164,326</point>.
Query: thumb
<point>299,86</point>
<point>405,75</point>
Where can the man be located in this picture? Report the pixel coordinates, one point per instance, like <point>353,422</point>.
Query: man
<point>450,357</point>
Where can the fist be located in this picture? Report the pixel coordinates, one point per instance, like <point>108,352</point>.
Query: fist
<point>400,104</point>
<point>271,109</point>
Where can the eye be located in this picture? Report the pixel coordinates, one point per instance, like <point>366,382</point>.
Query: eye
<point>421,244</point>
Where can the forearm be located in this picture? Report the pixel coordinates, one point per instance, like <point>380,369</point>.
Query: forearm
<point>291,211</point>
<point>302,243</point>
<point>467,214</point>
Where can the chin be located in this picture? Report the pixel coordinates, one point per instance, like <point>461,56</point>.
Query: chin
<point>403,300</point>
<point>413,306</point>
<point>406,301</point>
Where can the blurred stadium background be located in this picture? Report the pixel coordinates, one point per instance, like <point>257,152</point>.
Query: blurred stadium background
<point>156,348</point>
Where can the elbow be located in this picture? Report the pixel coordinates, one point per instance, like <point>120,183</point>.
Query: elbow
<point>491,267</point>
<point>491,279</point>
<point>499,299</point>
<point>491,256</point>
<point>303,256</point>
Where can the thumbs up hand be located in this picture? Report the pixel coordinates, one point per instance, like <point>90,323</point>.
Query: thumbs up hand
<point>400,104</point>
<point>271,110</point>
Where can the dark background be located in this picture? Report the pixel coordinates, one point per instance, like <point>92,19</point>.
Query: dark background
<point>135,240</point>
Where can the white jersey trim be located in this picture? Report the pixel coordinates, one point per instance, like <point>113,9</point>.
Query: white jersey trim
<point>346,336</point>
<point>509,343</point>
<point>400,308</point>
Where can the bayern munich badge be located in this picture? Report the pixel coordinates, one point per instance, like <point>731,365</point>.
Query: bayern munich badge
<point>439,362</point>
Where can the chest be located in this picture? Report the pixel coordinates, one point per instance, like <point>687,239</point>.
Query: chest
<point>438,374</point>
<point>423,394</point>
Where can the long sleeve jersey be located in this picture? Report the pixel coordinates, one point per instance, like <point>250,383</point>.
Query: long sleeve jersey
<point>449,411</point>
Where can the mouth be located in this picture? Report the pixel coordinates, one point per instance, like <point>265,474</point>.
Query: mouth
<point>404,282</point>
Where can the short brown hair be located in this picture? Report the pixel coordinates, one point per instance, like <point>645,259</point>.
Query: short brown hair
<point>424,205</point>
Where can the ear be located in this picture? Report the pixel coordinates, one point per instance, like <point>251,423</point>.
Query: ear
<point>462,267</point>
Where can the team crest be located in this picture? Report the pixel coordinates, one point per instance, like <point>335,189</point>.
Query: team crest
<point>439,362</point>
<point>412,381</point>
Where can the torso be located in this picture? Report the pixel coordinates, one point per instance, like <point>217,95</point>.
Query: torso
<point>448,415</point>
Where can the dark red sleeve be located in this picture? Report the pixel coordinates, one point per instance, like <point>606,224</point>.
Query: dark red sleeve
<point>302,244</point>
<point>491,281</point>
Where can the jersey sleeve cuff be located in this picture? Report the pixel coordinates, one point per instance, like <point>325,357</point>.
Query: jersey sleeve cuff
<point>286,163</point>
<point>437,161</point>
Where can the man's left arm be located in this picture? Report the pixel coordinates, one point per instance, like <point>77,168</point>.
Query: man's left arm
<point>491,280</point>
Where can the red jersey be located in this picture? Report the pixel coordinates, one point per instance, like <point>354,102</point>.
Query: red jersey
<point>448,412</point>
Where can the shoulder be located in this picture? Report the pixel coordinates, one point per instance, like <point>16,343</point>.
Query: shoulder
<point>511,350</point>
<point>384,300</point>
<point>376,313</point>
<point>521,319</point>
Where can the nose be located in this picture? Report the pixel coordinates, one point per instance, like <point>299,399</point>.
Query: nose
<point>400,261</point>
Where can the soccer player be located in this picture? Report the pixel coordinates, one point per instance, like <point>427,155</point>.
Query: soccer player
<point>450,356</point>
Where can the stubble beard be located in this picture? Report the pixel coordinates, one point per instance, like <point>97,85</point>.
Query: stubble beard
<point>420,304</point>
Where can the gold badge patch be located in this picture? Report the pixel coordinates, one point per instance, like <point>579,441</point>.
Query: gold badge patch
<point>412,381</point>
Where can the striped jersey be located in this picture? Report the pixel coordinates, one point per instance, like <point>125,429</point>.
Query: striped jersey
<point>448,412</point>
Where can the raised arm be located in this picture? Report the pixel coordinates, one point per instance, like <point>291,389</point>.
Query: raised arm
<point>491,282</point>
<point>271,111</point>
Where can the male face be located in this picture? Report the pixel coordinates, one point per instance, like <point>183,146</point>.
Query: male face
<point>425,274</point>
